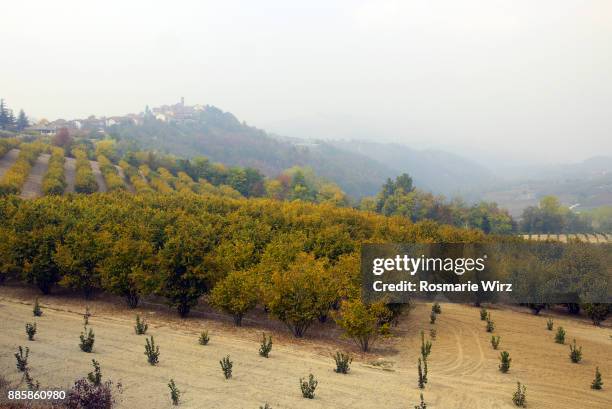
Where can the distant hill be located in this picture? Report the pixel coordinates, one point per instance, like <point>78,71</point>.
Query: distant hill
<point>579,190</point>
<point>582,185</point>
<point>591,168</point>
<point>221,137</point>
<point>434,170</point>
<point>359,168</point>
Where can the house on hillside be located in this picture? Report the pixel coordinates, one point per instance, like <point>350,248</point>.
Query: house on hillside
<point>178,112</point>
<point>136,119</point>
<point>43,129</point>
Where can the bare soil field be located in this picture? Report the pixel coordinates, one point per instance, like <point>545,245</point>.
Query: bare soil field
<point>95,168</point>
<point>32,188</point>
<point>463,368</point>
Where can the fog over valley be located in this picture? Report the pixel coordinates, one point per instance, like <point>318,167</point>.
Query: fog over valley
<point>501,83</point>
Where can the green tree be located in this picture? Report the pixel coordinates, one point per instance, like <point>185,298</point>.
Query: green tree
<point>10,120</point>
<point>300,188</point>
<point>301,294</point>
<point>79,256</point>
<point>183,277</point>
<point>401,186</point>
<point>361,322</point>
<point>40,267</point>
<point>236,294</point>
<point>22,121</point>
<point>597,312</point>
<point>4,117</point>
<point>548,217</point>
<point>125,270</point>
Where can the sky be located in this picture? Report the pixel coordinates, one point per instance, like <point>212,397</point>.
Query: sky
<point>499,81</point>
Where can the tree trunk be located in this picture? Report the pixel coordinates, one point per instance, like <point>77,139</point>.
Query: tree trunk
<point>132,299</point>
<point>183,309</point>
<point>44,288</point>
<point>238,320</point>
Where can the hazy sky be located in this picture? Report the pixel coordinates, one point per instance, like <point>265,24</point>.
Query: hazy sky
<point>532,76</point>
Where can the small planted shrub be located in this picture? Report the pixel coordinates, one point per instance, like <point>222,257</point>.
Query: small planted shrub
<point>265,346</point>
<point>343,362</point>
<point>520,398</point>
<point>495,341</point>
<point>422,404</point>
<point>151,351</point>
<point>308,386</point>
<point>265,406</point>
<point>421,377</point>
<point>175,394</point>
<point>436,308</point>
<point>550,324</point>
<point>560,336</point>
<point>505,360</point>
<point>226,366</point>
<point>425,346</point>
<point>483,314</point>
<point>22,359</point>
<point>490,324</point>
<point>597,382</point>
<point>432,317</point>
<point>141,326</point>
<point>30,330</point>
<point>575,353</point>
<point>95,377</point>
<point>36,310</point>
<point>87,395</point>
<point>433,333</point>
<point>87,340</point>
<point>204,338</point>
<point>33,386</point>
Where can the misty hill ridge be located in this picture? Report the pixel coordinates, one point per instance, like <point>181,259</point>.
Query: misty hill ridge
<point>434,170</point>
<point>358,168</point>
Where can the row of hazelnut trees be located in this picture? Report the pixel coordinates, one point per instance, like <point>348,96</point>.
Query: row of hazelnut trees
<point>299,261</point>
<point>13,179</point>
<point>54,181</point>
<point>6,144</point>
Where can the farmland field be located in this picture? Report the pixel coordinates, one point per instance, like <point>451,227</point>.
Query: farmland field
<point>564,238</point>
<point>463,368</point>
<point>33,185</point>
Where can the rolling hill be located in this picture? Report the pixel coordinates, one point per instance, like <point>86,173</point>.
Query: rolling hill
<point>359,168</point>
<point>433,170</point>
<point>221,137</point>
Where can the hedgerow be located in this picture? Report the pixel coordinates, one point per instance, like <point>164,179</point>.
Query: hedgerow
<point>54,181</point>
<point>6,144</point>
<point>16,175</point>
<point>111,176</point>
<point>84,182</point>
<point>139,183</point>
